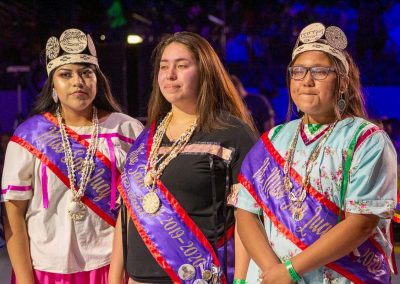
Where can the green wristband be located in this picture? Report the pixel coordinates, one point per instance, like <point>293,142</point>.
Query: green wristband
<point>239,281</point>
<point>293,274</point>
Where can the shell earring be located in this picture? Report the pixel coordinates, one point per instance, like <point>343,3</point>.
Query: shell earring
<point>341,104</point>
<point>54,96</point>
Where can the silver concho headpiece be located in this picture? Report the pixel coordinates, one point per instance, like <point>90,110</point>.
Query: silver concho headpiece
<point>73,46</point>
<point>331,40</point>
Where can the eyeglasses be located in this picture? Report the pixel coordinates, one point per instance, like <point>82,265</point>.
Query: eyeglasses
<point>317,72</point>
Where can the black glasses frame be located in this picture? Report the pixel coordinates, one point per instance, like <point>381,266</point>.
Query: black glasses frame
<point>313,70</point>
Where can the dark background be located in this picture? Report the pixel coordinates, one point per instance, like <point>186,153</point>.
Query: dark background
<point>254,41</point>
<point>253,38</point>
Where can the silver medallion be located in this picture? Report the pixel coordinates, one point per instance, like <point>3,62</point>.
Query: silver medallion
<point>186,271</point>
<point>151,203</point>
<point>73,41</point>
<point>312,33</point>
<point>336,37</point>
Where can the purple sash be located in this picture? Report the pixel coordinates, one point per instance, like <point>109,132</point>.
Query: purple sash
<point>40,135</point>
<point>174,240</point>
<point>262,175</point>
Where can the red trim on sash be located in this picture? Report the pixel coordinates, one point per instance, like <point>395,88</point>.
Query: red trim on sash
<point>282,228</point>
<point>182,214</point>
<point>150,141</point>
<point>270,214</point>
<point>393,252</point>
<point>329,204</point>
<point>80,140</point>
<point>229,234</point>
<point>41,157</point>
<point>281,161</point>
<point>188,221</point>
<point>396,217</point>
<point>149,244</point>
<point>61,176</point>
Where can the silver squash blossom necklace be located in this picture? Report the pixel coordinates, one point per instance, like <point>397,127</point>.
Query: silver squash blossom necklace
<point>76,208</point>
<point>297,198</point>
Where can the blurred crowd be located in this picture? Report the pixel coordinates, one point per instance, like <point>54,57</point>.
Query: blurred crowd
<point>250,36</point>
<point>247,34</point>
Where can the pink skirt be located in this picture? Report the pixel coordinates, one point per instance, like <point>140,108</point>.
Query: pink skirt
<point>96,276</point>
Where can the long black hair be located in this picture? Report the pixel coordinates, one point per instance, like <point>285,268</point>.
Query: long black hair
<point>104,99</point>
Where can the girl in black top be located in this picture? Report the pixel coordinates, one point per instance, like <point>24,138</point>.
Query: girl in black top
<point>198,134</point>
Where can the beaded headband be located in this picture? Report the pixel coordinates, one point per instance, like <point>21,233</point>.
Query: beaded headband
<point>73,46</point>
<point>331,40</point>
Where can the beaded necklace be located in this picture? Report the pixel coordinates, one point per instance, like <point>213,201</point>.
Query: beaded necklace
<point>298,198</point>
<point>155,166</point>
<point>76,209</point>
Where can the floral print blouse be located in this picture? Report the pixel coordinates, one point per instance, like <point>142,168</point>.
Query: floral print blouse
<point>372,186</point>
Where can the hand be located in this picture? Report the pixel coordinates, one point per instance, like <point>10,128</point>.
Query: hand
<point>276,274</point>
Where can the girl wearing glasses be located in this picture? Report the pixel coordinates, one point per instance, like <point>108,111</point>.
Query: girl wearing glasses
<point>324,184</point>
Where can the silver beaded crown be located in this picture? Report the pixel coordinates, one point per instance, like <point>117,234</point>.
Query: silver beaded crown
<point>331,40</point>
<point>73,46</point>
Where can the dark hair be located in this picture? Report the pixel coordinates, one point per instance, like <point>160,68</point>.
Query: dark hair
<point>104,99</point>
<point>355,105</point>
<point>217,95</point>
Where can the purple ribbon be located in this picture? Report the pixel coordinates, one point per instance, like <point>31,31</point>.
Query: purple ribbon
<point>171,239</point>
<point>108,137</point>
<point>263,177</point>
<point>45,137</point>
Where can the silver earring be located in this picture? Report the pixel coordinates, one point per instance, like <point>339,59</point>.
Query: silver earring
<point>341,104</point>
<point>54,96</point>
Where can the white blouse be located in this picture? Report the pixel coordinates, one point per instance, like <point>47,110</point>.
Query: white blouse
<point>57,243</point>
